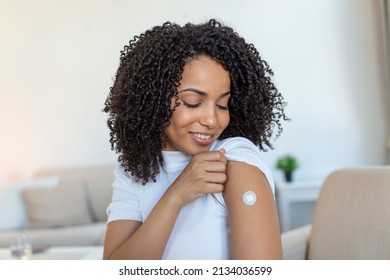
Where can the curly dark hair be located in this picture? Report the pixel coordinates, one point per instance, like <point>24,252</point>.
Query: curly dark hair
<point>150,69</point>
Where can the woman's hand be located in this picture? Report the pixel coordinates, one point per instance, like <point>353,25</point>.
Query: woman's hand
<point>205,173</point>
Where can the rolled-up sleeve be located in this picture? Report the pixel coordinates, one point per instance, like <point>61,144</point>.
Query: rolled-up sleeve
<point>243,150</point>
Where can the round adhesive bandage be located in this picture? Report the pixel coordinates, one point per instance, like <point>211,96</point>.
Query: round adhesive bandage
<point>249,198</point>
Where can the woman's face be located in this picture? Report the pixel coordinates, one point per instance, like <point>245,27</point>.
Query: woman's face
<point>203,114</point>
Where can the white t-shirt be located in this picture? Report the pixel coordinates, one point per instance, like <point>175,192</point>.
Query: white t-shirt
<point>201,230</point>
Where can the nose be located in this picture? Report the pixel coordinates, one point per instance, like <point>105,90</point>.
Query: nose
<point>209,117</point>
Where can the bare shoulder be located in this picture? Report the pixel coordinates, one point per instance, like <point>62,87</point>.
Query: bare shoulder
<point>242,179</point>
<point>252,213</point>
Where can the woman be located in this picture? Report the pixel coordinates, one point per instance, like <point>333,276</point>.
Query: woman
<point>190,109</point>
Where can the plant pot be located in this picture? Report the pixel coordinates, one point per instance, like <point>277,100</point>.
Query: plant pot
<point>288,176</point>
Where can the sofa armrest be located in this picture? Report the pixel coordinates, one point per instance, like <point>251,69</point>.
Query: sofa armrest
<point>294,243</point>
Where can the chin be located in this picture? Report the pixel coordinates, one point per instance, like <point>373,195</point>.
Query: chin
<point>197,151</point>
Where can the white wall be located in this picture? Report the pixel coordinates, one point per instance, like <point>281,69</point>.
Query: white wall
<point>57,60</point>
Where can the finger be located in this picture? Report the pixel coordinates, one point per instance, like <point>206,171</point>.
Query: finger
<point>216,178</point>
<point>214,167</point>
<point>214,188</point>
<point>212,156</point>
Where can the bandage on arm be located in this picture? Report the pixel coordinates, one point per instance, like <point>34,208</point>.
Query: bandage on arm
<point>252,213</point>
<point>249,198</point>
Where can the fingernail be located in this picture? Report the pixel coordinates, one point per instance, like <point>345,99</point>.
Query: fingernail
<point>222,151</point>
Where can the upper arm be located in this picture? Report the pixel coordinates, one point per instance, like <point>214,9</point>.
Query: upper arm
<point>255,232</point>
<point>117,233</point>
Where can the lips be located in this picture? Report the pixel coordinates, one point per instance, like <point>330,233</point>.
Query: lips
<point>203,138</point>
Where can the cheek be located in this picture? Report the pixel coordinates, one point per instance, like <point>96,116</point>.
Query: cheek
<point>182,117</point>
<point>225,120</point>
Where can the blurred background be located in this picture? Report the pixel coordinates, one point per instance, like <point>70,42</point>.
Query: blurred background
<point>58,60</point>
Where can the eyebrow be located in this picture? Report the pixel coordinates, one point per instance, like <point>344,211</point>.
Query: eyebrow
<point>201,92</point>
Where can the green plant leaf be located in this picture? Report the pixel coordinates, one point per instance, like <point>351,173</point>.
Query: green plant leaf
<point>287,163</point>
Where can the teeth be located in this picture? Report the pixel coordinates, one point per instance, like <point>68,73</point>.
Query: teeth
<point>202,136</point>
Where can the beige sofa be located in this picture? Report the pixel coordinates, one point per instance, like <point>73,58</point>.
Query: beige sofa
<point>59,207</point>
<point>67,207</point>
<point>351,220</point>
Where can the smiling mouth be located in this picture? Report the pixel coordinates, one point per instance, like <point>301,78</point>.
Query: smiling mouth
<point>202,136</point>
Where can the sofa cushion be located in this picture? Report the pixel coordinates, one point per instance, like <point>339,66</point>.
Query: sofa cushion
<point>13,214</point>
<point>65,205</point>
<point>98,180</point>
<point>351,220</point>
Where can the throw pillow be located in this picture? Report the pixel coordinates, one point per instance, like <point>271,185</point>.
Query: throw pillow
<point>12,209</point>
<point>65,205</point>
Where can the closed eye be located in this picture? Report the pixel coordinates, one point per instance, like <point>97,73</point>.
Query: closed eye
<point>223,107</point>
<point>189,105</point>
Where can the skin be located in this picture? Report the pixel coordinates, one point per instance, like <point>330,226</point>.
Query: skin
<point>204,93</point>
<point>195,124</point>
<point>255,232</point>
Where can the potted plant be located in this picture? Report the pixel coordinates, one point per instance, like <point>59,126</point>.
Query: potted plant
<point>287,163</point>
